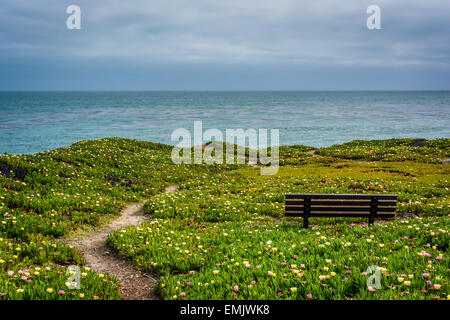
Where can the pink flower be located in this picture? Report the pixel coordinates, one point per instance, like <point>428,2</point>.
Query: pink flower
<point>236,288</point>
<point>372,290</point>
<point>61,292</point>
<point>309,296</point>
<point>426,275</point>
<point>364,273</point>
<point>304,249</point>
<point>436,297</point>
<point>348,271</point>
<point>183,294</point>
<point>280,294</point>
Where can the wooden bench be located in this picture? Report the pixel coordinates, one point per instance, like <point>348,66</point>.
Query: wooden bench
<point>308,205</point>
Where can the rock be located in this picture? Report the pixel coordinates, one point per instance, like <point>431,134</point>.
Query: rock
<point>418,143</point>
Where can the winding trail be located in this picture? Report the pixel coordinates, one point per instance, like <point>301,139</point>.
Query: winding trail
<point>134,284</point>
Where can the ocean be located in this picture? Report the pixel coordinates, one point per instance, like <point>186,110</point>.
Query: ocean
<point>32,122</point>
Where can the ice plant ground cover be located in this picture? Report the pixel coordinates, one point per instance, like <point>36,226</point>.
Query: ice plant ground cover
<point>222,234</point>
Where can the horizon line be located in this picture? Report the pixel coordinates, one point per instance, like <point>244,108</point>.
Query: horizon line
<point>231,90</point>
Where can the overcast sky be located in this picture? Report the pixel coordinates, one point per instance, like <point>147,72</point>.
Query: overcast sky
<point>224,45</point>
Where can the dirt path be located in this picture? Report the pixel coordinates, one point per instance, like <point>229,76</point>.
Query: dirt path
<point>135,284</point>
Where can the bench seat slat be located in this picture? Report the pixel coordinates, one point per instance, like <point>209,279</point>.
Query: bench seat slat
<point>338,208</point>
<point>340,214</point>
<point>341,202</point>
<point>341,196</point>
<point>337,213</point>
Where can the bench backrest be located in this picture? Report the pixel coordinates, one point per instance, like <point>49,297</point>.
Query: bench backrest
<point>342,205</point>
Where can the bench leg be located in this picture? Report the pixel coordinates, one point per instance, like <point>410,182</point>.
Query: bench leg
<point>305,222</point>
<point>371,221</point>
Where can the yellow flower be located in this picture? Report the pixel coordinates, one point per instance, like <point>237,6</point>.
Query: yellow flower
<point>407,283</point>
<point>49,290</point>
<point>81,295</point>
<point>174,297</point>
<point>410,276</point>
<point>400,279</point>
<point>437,286</point>
<point>333,274</point>
<point>294,289</point>
<point>216,272</point>
<point>381,245</point>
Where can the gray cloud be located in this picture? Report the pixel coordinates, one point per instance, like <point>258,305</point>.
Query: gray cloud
<point>252,33</point>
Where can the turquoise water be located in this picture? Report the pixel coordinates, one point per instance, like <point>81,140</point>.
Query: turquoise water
<point>31,122</point>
